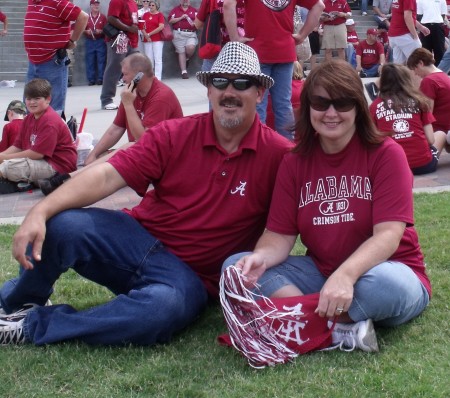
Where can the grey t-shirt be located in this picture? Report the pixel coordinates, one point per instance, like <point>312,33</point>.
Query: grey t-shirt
<point>383,5</point>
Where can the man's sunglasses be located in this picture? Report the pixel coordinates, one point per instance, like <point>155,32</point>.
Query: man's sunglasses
<point>322,104</point>
<point>240,83</point>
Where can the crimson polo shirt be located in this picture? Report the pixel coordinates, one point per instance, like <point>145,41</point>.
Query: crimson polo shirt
<point>206,204</point>
<point>47,28</point>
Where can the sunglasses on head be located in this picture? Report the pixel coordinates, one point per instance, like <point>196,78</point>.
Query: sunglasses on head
<point>322,104</point>
<point>240,83</point>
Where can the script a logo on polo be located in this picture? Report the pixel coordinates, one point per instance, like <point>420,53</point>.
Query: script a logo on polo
<point>276,5</point>
<point>240,189</point>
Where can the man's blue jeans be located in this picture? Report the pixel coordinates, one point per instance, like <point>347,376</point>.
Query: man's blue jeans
<point>157,294</point>
<point>57,75</point>
<point>281,93</point>
<point>95,59</point>
<point>372,71</point>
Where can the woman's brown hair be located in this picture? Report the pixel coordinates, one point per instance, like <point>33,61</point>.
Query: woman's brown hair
<point>398,91</point>
<point>339,80</point>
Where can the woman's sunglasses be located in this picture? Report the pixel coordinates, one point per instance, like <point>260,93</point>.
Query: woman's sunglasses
<point>322,104</point>
<point>241,83</point>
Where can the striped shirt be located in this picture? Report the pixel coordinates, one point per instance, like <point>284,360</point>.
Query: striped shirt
<point>47,28</point>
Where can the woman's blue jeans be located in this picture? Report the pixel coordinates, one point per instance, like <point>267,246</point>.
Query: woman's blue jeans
<point>389,293</point>
<point>157,294</point>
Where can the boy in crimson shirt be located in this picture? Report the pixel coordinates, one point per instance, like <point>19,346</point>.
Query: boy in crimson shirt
<point>370,55</point>
<point>14,115</point>
<point>44,145</point>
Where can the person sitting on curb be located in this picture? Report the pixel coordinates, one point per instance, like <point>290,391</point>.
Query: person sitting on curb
<point>370,56</point>
<point>44,146</point>
<point>15,113</point>
<point>352,42</point>
<point>143,105</point>
<point>213,176</point>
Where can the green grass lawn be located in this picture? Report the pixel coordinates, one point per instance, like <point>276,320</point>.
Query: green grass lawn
<point>413,361</point>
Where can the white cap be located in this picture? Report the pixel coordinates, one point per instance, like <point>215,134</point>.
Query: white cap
<point>349,22</point>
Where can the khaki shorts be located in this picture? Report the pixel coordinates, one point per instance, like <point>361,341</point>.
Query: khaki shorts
<point>334,36</point>
<point>183,39</point>
<point>26,170</point>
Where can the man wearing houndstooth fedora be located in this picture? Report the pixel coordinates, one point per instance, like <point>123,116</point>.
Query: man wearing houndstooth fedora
<point>212,177</point>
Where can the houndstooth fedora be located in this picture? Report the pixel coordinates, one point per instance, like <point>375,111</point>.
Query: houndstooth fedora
<point>236,58</point>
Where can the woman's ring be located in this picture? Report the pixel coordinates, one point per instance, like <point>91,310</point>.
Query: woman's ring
<point>339,310</point>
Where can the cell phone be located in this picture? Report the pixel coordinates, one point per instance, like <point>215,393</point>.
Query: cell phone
<point>136,80</point>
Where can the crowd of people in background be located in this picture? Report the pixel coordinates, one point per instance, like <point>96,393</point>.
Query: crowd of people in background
<point>334,154</point>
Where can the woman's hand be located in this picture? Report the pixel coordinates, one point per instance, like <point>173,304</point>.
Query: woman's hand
<point>336,295</point>
<point>252,266</point>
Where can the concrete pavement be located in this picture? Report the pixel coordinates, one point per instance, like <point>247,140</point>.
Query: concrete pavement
<point>192,96</point>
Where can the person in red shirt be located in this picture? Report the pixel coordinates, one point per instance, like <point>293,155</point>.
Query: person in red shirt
<point>402,111</point>
<point>95,56</point>
<point>123,14</point>
<point>4,20</point>
<point>202,14</point>
<point>370,56</point>
<point>184,33</point>
<point>44,145</point>
<point>347,192</point>
<point>352,42</point>
<point>212,177</point>
<point>152,43</point>
<point>47,35</point>
<point>268,30</point>
<point>334,30</point>
<point>403,36</point>
<point>143,106</point>
<point>14,115</point>
<point>435,84</point>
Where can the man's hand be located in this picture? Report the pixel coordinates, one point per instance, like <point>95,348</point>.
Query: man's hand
<point>31,232</point>
<point>133,29</point>
<point>127,96</point>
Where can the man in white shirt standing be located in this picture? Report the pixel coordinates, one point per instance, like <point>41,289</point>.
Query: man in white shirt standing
<point>432,14</point>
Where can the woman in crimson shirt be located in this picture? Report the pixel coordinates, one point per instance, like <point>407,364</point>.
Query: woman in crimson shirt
<point>347,191</point>
<point>404,112</point>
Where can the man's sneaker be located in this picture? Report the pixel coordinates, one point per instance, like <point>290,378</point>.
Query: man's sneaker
<point>120,83</point>
<point>7,186</point>
<point>26,307</point>
<point>361,335</point>
<point>48,185</point>
<point>11,327</point>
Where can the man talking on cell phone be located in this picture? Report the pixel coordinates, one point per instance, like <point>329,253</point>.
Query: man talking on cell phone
<point>143,104</point>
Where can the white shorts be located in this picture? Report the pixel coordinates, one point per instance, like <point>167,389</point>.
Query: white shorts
<point>402,47</point>
<point>183,39</point>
